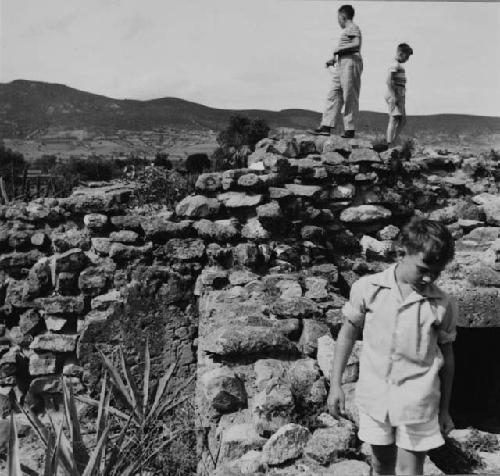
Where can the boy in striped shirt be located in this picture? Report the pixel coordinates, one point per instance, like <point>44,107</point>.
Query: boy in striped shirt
<point>396,92</point>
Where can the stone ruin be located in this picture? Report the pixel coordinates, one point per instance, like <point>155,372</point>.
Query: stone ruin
<point>252,273</point>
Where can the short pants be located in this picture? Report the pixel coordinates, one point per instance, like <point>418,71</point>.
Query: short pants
<point>412,437</point>
<point>397,105</point>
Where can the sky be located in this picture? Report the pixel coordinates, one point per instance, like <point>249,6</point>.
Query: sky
<point>265,54</point>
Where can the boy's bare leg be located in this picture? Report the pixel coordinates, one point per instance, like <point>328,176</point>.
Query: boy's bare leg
<point>410,462</point>
<point>384,459</point>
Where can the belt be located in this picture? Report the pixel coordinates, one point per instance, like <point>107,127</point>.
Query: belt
<point>353,53</point>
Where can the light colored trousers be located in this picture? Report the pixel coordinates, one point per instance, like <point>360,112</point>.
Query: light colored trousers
<point>344,91</point>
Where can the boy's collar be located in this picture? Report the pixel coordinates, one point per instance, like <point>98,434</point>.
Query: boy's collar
<point>387,279</point>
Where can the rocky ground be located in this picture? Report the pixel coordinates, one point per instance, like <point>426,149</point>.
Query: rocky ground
<point>269,252</point>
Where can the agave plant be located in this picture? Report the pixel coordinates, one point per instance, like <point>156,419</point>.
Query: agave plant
<point>127,452</point>
<point>61,452</point>
<point>141,414</point>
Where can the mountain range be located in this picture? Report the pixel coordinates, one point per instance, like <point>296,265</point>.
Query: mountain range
<point>28,106</point>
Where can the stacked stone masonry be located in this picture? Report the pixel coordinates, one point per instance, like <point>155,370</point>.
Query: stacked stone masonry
<point>269,252</point>
<point>294,230</point>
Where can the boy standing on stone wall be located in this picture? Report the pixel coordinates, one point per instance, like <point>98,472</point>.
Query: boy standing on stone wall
<point>407,364</point>
<point>346,78</point>
<point>396,93</point>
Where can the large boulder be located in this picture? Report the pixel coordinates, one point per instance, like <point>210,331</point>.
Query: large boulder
<point>244,340</point>
<point>55,342</point>
<point>312,330</point>
<point>239,199</point>
<point>306,191</point>
<point>73,261</point>
<point>286,444</point>
<point>238,439</point>
<point>491,208</point>
<point>272,408</point>
<point>159,230</point>
<point>209,182</point>
<point>198,206</point>
<point>73,238</point>
<point>333,443</point>
<point>306,382</point>
<point>253,230</point>
<point>218,230</point>
<point>95,221</point>
<point>325,355</point>
<point>364,214</point>
<point>224,390</point>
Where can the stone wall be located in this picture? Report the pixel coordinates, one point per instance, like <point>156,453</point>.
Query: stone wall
<point>292,232</point>
<point>85,273</point>
<point>242,283</point>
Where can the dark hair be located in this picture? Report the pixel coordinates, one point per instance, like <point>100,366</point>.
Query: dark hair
<point>429,237</point>
<point>405,48</point>
<point>347,10</point>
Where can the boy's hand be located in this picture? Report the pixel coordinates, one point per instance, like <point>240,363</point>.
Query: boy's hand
<point>330,62</point>
<point>445,422</point>
<point>336,401</point>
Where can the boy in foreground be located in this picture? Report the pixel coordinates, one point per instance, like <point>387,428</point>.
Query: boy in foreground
<point>407,363</point>
<point>346,77</point>
<point>396,93</point>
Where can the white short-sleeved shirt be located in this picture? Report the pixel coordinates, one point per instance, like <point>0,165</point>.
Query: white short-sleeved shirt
<point>401,359</point>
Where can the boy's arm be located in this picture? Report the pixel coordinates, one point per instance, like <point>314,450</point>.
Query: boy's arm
<point>343,348</point>
<point>390,82</point>
<point>446,377</point>
<point>354,312</point>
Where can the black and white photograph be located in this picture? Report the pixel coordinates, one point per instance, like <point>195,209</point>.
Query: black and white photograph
<point>249,237</point>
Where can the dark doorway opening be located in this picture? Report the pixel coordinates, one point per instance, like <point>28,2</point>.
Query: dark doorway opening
<point>476,389</point>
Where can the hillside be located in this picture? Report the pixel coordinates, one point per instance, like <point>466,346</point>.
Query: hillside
<point>27,106</point>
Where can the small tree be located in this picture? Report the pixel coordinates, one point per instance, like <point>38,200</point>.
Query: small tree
<point>197,163</point>
<point>243,131</point>
<point>45,163</point>
<point>162,160</point>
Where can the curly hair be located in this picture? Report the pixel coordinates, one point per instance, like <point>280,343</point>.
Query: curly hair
<point>405,48</point>
<point>429,237</point>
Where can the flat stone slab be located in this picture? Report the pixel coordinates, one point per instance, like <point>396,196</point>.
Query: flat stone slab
<point>298,190</point>
<point>244,340</point>
<point>239,199</point>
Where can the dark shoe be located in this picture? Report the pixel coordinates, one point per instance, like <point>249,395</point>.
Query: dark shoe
<point>321,131</point>
<point>348,134</point>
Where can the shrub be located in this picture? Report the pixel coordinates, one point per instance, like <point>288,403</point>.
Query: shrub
<point>493,155</point>
<point>12,165</point>
<point>161,160</point>
<point>10,161</point>
<point>161,186</point>
<point>197,163</point>
<point>45,163</point>
<point>243,131</point>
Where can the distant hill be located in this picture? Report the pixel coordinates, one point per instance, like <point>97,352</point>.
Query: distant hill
<point>27,106</point>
